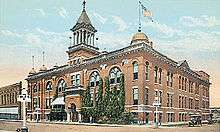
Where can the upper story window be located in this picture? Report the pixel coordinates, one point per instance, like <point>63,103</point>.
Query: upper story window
<point>49,86</point>
<point>146,96</point>
<point>135,96</point>
<point>35,88</point>
<point>169,79</point>
<point>94,79</point>
<point>75,79</point>
<point>115,74</point>
<point>135,70</point>
<point>180,82</point>
<point>61,85</point>
<point>147,71</point>
<point>160,75</point>
<point>155,74</point>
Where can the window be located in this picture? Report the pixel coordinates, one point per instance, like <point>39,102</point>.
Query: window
<point>39,87</point>
<point>155,74</point>
<point>179,82</point>
<point>49,86</point>
<point>170,117</point>
<point>147,71</point>
<point>185,84</point>
<point>35,88</point>
<point>169,100</point>
<point>135,70</point>
<point>160,97</point>
<point>115,74</point>
<point>197,88</point>
<point>146,96</point>
<point>182,83</point>
<point>61,85</point>
<point>180,104</point>
<point>160,75</point>
<point>35,103</point>
<point>135,96</point>
<point>75,80</point>
<point>48,101</point>
<point>94,79</point>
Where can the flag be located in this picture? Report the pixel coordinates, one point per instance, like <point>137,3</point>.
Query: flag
<point>146,12</point>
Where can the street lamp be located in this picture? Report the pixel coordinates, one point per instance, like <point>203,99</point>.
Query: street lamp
<point>24,97</point>
<point>157,104</point>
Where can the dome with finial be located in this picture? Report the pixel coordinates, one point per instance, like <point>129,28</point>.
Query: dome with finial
<point>32,71</point>
<point>140,37</point>
<point>43,68</point>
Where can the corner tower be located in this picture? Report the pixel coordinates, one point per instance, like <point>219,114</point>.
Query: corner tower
<point>82,44</point>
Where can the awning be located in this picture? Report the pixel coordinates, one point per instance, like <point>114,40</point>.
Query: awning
<point>58,101</point>
<point>9,110</point>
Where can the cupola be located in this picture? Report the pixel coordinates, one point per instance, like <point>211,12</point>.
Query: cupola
<point>140,37</point>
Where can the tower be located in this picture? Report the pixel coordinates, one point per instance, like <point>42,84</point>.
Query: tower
<point>82,44</point>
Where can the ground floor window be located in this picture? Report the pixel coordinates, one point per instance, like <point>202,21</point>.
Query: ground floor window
<point>170,117</point>
<point>147,118</point>
<point>160,115</point>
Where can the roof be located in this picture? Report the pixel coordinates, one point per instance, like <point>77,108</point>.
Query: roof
<point>58,101</point>
<point>84,18</point>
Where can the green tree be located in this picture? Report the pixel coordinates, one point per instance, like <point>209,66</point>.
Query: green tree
<point>121,95</point>
<point>106,100</point>
<point>87,109</point>
<point>99,108</point>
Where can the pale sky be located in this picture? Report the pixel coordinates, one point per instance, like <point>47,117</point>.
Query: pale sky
<point>188,29</point>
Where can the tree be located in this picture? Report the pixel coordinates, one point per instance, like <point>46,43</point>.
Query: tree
<point>106,100</point>
<point>99,108</point>
<point>121,95</point>
<point>87,109</point>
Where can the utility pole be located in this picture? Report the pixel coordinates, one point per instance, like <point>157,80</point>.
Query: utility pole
<point>23,98</point>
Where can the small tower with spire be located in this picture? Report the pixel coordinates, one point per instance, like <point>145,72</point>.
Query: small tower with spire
<point>32,70</point>
<point>43,68</point>
<point>82,39</point>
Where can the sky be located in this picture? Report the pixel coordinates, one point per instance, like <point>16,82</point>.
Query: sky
<point>182,30</point>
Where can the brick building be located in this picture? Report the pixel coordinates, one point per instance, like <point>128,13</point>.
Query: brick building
<point>148,74</point>
<point>9,106</point>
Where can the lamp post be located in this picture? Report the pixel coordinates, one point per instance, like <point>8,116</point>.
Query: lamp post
<point>157,104</point>
<point>24,97</point>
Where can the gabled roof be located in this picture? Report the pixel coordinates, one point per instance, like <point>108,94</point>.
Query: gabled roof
<point>183,63</point>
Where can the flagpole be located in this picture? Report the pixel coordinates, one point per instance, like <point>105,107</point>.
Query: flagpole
<point>139,4</point>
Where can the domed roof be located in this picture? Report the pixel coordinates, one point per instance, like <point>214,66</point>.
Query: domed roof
<point>32,71</point>
<point>140,37</point>
<point>43,68</point>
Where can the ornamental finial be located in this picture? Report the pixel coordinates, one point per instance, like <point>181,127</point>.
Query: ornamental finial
<point>84,5</point>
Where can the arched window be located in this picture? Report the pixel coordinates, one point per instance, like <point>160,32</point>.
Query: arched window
<point>49,86</point>
<point>135,70</point>
<point>94,79</point>
<point>147,71</point>
<point>61,85</point>
<point>115,74</point>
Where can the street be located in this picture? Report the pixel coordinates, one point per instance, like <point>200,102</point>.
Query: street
<point>42,127</point>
